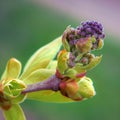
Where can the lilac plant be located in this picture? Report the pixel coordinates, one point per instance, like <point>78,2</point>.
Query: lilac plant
<point>54,80</point>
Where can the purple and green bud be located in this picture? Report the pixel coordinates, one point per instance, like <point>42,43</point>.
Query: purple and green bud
<point>66,65</point>
<point>84,45</point>
<point>78,44</point>
<point>86,37</point>
<point>70,66</point>
<point>91,28</point>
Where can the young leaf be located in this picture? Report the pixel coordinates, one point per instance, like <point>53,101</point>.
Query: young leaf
<point>42,57</point>
<point>63,57</point>
<point>14,113</point>
<point>52,64</point>
<point>39,75</point>
<point>14,87</point>
<point>95,61</point>
<point>12,70</point>
<point>49,96</point>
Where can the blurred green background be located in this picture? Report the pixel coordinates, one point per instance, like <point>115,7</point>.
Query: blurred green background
<point>25,27</point>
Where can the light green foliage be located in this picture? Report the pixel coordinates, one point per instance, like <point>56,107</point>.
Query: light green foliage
<point>13,69</point>
<point>49,96</point>
<point>14,113</point>
<point>52,64</point>
<point>39,75</point>
<point>62,61</point>
<point>11,84</point>
<point>42,57</point>
<point>38,68</point>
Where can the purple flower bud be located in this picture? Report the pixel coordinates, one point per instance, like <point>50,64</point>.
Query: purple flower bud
<point>83,34</point>
<point>84,45</point>
<point>84,61</point>
<point>71,42</point>
<point>89,29</point>
<point>93,27</point>
<point>71,61</point>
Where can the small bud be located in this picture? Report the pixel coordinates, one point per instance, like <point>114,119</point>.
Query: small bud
<point>13,88</point>
<point>92,28</point>
<point>77,90</point>
<point>86,88</point>
<point>71,61</point>
<point>12,91</point>
<point>84,60</point>
<point>71,73</point>
<point>69,89</point>
<point>84,45</point>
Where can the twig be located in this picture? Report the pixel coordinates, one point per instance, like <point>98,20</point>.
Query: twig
<point>51,83</point>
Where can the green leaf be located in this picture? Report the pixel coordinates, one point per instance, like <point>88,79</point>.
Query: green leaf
<point>49,96</point>
<point>18,99</point>
<point>66,45</point>
<point>52,65</point>
<point>62,61</point>
<point>12,70</point>
<point>14,113</point>
<point>100,44</point>
<point>42,57</point>
<point>64,40</point>
<point>39,75</point>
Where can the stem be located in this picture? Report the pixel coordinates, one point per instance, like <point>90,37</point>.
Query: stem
<point>51,83</point>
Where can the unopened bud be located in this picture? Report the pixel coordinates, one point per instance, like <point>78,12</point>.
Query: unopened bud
<point>86,88</point>
<point>84,45</point>
<point>77,37</point>
<point>69,89</point>
<point>77,90</point>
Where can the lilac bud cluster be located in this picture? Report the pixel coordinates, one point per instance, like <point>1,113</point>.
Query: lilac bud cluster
<point>88,29</point>
<point>91,28</point>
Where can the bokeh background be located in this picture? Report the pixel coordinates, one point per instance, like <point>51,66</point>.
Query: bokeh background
<point>26,25</point>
